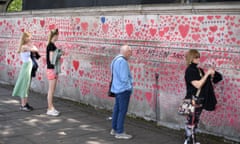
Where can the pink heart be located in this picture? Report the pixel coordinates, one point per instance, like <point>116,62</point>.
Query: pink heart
<point>210,17</point>
<point>75,64</point>
<point>52,26</point>
<point>84,26</point>
<point>195,37</point>
<point>77,20</point>
<point>153,31</point>
<point>129,29</point>
<point>213,28</point>
<point>210,39</point>
<point>161,33</point>
<point>42,23</point>
<point>200,19</point>
<point>105,28</point>
<point>183,30</point>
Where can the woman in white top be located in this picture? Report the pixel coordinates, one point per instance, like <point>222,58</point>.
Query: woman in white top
<point>24,78</point>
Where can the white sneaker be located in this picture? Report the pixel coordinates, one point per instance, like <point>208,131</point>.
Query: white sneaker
<point>53,112</point>
<point>123,136</point>
<point>113,132</point>
<point>186,142</point>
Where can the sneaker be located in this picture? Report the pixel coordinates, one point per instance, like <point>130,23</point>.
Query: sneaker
<point>53,112</point>
<point>24,108</point>
<point>29,107</point>
<point>56,111</point>
<point>188,142</point>
<point>123,136</point>
<point>112,132</point>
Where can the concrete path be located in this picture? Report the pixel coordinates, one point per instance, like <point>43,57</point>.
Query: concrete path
<point>78,124</point>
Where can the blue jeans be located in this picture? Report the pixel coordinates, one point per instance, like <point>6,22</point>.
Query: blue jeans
<point>120,111</point>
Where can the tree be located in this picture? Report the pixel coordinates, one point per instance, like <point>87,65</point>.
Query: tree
<point>15,6</point>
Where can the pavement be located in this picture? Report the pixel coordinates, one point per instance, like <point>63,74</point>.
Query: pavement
<point>77,124</point>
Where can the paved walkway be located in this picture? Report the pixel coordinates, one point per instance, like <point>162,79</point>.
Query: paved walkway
<point>78,124</point>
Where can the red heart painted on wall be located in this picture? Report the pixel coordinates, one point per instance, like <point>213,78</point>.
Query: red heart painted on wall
<point>168,37</point>
<point>84,26</point>
<point>152,21</point>
<point>52,26</point>
<point>232,24</point>
<point>233,39</point>
<point>210,17</point>
<point>230,32</point>
<point>196,29</point>
<point>153,31</point>
<point>77,20</point>
<point>232,18</point>
<point>8,61</point>
<point>238,42</point>
<point>195,37</point>
<point>148,96</point>
<point>222,28</point>
<point>34,21</point>
<point>42,23</point>
<point>210,39</point>
<point>213,28</point>
<point>161,33</point>
<point>183,30</point>
<point>166,29</point>
<point>129,29</point>
<point>75,64</point>
<point>226,17</point>
<point>81,72</point>
<point>217,17</point>
<point>137,34</point>
<point>200,19</point>
<point>105,28</point>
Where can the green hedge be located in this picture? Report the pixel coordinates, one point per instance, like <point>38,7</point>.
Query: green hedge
<point>15,6</point>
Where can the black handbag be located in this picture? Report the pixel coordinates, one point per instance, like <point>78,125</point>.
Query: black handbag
<point>110,94</point>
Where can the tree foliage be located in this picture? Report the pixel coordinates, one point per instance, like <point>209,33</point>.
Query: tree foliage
<point>15,6</point>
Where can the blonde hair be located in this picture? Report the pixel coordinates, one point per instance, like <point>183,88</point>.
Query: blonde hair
<point>191,54</point>
<point>23,41</point>
<point>52,34</point>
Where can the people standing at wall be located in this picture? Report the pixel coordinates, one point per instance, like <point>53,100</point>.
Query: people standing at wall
<point>53,55</point>
<point>122,88</point>
<point>200,91</point>
<point>23,83</point>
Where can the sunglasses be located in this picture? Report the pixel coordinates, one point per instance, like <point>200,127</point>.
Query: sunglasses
<point>197,57</point>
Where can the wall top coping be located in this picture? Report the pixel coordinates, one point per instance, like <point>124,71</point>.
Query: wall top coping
<point>160,9</point>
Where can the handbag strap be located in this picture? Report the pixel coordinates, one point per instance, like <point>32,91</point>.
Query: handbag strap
<point>199,90</point>
<point>112,68</point>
